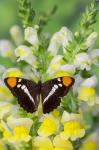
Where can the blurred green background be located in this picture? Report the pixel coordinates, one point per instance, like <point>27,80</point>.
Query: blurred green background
<point>68,14</point>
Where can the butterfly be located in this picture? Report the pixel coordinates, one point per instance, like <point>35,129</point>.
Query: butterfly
<point>28,92</point>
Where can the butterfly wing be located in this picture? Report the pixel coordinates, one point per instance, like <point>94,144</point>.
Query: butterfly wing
<point>26,91</point>
<point>53,90</point>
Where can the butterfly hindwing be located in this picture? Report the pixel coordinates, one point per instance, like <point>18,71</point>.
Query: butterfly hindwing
<point>53,90</point>
<point>26,91</point>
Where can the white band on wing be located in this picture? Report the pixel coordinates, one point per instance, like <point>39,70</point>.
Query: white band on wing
<point>51,93</point>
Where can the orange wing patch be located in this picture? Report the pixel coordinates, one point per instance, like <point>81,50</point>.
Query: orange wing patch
<point>67,81</point>
<point>12,81</point>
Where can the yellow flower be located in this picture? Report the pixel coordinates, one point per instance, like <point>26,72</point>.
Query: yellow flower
<point>72,130</point>
<point>1,146</point>
<point>49,126</point>
<point>42,143</point>
<point>61,73</point>
<point>61,144</point>
<point>19,134</point>
<point>12,72</point>
<point>45,143</point>
<point>59,148</point>
<point>89,145</point>
<point>87,94</point>
<point>56,114</point>
<point>5,94</point>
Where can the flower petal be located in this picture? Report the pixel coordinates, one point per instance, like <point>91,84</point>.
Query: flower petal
<point>49,126</point>
<point>16,34</point>
<point>31,36</point>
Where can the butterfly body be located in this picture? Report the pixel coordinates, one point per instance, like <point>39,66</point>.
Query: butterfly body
<point>28,92</point>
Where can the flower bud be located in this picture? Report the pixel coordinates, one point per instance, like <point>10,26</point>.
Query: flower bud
<point>90,41</point>
<point>16,34</point>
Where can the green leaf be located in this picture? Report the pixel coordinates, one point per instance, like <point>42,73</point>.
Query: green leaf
<point>26,12</point>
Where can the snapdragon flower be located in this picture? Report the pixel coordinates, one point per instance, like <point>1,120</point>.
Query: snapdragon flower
<point>66,116</point>
<point>45,143</point>
<point>59,39</point>
<point>57,67</point>
<point>31,36</point>
<point>20,134</point>
<point>12,72</point>
<point>72,130</point>
<point>16,34</point>
<point>20,128</point>
<point>90,41</point>
<point>64,54</point>
<point>6,109</point>
<point>14,120</point>
<point>94,54</point>
<point>82,61</point>
<point>25,53</point>
<point>6,49</point>
<point>90,142</point>
<point>87,91</point>
<point>3,90</point>
<point>49,126</point>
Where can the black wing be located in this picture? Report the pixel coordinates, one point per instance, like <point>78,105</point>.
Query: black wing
<point>26,91</point>
<point>53,90</point>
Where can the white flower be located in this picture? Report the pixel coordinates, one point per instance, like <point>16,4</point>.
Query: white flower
<point>31,36</point>
<point>25,53</point>
<point>16,34</point>
<point>6,109</point>
<point>59,39</point>
<point>90,82</point>
<point>90,41</point>
<point>78,81</point>
<point>82,61</point>
<point>94,54</point>
<point>6,48</point>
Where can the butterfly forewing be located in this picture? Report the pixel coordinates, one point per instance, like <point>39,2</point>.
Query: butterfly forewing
<point>53,90</point>
<point>26,91</point>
